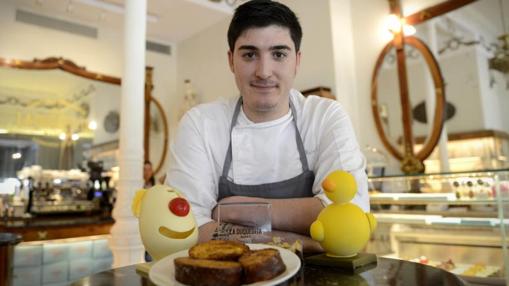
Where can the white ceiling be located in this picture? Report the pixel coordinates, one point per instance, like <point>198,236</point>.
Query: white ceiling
<point>177,19</point>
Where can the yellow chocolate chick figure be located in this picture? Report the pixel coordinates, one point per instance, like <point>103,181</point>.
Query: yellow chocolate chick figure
<point>342,228</point>
<point>166,222</point>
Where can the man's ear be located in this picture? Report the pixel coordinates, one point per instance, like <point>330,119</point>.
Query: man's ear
<point>297,62</point>
<point>230,60</point>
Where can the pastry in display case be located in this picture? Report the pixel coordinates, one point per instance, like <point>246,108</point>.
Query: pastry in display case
<point>455,221</point>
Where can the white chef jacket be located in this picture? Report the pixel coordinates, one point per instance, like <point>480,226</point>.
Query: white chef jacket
<point>262,152</point>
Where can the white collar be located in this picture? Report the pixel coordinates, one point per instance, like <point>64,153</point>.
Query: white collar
<point>244,122</point>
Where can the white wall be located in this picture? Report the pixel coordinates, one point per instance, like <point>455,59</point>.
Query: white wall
<point>24,41</point>
<point>203,60</point>
<point>317,66</point>
<point>103,55</point>
<point>495,97</point>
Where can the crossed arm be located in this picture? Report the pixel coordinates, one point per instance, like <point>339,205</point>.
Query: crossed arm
<point>291,218</point>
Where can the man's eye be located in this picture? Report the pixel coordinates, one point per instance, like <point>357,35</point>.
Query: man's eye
<point>249,55</point>
<point>279,55</point>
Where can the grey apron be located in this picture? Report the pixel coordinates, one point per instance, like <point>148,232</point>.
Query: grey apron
<point>296,187</point>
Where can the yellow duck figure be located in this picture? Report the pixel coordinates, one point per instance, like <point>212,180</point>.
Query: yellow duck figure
<point>342,228</point>
<point>166,222</point>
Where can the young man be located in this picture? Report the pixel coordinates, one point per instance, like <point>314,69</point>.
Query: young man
<point>270,144</point>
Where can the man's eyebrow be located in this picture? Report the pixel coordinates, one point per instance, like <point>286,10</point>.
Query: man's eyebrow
<point>254,48</point>
<point>280,47</point>
<point>248,47</point>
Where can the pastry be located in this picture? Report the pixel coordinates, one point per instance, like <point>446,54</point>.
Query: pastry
<point>260,265</point>
<point>224,262</point>
<point>218,250</point>
<point>204,272</point>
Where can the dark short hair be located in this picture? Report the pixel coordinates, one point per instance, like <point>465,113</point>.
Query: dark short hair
<point>260,14</point>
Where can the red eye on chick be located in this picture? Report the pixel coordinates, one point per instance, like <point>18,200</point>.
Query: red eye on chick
<point>179,206</point>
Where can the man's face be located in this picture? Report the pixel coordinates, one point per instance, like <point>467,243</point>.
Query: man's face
<point>265,64</point>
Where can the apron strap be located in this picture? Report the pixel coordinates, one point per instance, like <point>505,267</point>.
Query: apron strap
<point>300,144</point>
<point>229,156</point>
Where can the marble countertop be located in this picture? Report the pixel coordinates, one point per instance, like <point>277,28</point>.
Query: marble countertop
<point>387,272</point>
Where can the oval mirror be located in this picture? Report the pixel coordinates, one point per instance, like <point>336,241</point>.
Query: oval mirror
<point>386,105</point>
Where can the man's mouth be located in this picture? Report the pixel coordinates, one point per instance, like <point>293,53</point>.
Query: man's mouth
<point>175,234</point>
<point>264,84</point>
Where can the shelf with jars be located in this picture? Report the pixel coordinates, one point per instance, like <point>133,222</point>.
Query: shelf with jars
<point>457,221</point>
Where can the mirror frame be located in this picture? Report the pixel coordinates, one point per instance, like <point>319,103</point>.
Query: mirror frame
<point>438,118</point>
<point>69,66</point>
<point>410,162</point>
<point>149,86</point>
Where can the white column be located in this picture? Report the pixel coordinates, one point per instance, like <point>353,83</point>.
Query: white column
<point>344,59</point>
<point>125,239</point>
<point>430,100</point>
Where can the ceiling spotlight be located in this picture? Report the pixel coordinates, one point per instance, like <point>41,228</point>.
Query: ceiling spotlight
<point>92,125</point>
<point>396,24</point>
<point>16,156</point>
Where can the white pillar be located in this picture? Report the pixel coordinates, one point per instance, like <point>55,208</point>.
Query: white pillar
<point>125,241</point>
<point>344,59</point>
<point>443,154</point>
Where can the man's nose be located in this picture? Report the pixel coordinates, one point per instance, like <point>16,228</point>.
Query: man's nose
<point>264,68</point>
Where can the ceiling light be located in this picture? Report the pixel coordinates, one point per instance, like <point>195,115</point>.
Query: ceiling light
<point>75,136</point>
<point>92,125</point>
<point>112,7</point>
<point>3,131</point>
<point>409,30</point>
<point>394,24</point>
<point>16,156</point>
<point>62,136</point>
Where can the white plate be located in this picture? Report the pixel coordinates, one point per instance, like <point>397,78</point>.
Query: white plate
<point>163,271</point>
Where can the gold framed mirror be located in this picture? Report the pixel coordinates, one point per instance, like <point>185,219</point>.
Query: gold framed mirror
<point>77,95</point>
<point>380,111</point>
<point>403,48</point>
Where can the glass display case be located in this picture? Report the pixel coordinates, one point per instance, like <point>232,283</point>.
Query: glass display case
<point>455,221</point>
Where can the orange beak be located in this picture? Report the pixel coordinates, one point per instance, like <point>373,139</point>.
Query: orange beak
<point>328,185</point>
